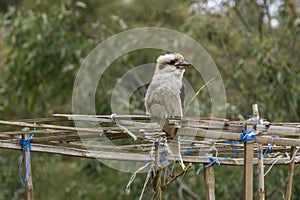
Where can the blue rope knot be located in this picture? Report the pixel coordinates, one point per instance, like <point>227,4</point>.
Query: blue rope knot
<point>26,147</point>
<point>213,161</point>
<point>247,135</point>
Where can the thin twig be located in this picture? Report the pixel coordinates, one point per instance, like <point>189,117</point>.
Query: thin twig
<point>201,88</point>
<point>182,173</point>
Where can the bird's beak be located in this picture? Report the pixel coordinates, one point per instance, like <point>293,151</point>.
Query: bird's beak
<point>183,65</point>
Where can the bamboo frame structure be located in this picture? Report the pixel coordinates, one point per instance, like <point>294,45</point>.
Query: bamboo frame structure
<point>59,135</point>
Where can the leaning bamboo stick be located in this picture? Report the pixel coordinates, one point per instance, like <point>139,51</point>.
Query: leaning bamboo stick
<point>289,186</point>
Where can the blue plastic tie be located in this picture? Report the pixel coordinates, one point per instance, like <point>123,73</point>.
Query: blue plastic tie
<point>234,142</point>
<point>158,144</point>
<point>268,149</point>
<point>26,146</point>
<point>260,156</point>
<point>247,135</point>
<point>188,150</point>
<point>198,171</point>
<point>227,142</point>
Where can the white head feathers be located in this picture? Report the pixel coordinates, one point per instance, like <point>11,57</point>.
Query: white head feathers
<point>168,57</point>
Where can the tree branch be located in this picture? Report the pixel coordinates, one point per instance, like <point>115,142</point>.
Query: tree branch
<point>238,13</point>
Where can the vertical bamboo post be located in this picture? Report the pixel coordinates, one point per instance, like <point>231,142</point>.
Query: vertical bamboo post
<point>156,178</point>
<point>29,193</point>
<point>248,169</point>
<point>209,181</point>
<point>248,164</point>
<point>261,181</point>
<point>290,175</point>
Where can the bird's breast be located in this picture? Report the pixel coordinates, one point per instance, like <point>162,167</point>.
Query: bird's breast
<point>163,99</point>
<point>170,81</point>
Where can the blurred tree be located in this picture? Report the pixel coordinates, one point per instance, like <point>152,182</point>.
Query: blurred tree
<point>44,51</point>
<point>255,46</point>
<point>4,4</point>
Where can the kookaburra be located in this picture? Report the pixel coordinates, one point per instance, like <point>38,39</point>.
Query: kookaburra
<point>166,92</point>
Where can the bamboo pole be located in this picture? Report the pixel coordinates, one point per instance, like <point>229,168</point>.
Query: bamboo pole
<point>219,134</point>
<point>290,176</point>
<point>87,117</point>
<point>200,132</point>
<point>209,181</point>
<point>248,168</point>
<point>279,130</point>
<point>65,128</point>
<point>151,126</point>
<point>261,182</point>
<point>26,163</point>
<point>156,178</point>
<point>136,157</point>
<point>261,173</point>
<point>46,119</point>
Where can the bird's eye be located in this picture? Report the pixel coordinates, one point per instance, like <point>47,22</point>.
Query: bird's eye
<point>172,62</point>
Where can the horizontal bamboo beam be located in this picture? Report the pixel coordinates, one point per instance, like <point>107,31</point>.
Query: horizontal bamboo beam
<point>210,134</point>
<point>83,117</point>
<point>207,124</point>
<point>48,126</point>
<point>46,119</point>
<point>149,127</point>
<point>40,131</point>
<point>279,130</point>
<point>136,157</point>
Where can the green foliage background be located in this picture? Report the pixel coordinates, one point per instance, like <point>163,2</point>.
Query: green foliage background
<point>44,42</point>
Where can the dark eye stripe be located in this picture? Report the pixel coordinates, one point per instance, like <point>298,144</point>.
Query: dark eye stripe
<point>172,62</point>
